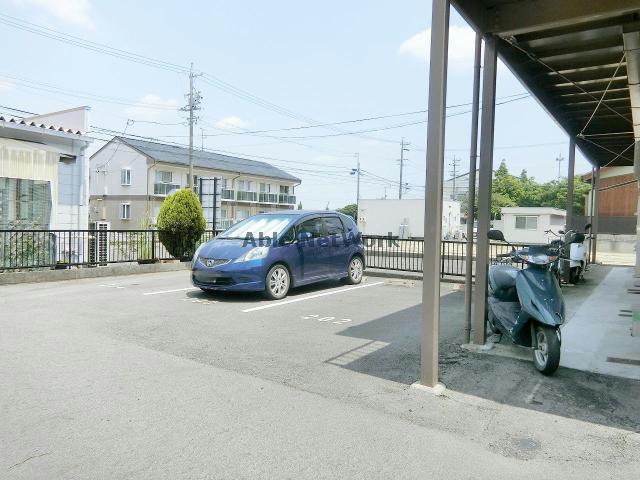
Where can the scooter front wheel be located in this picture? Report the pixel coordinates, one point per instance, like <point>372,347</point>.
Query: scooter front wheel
<point>546,352</point>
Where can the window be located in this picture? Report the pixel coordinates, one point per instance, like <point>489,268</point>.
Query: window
<point>245,185</point>
<point>333,226</point>
<point>265,188</point>
<point>163,176</point>
<point>125,176</point>
<point>125,211</point>
<point>196,184</point>
<point>526,222</point>
<point>241,214</point>
<point>164,183</point>
<point>24,203</point>
<point>314,227</point>
<point>284,189</point>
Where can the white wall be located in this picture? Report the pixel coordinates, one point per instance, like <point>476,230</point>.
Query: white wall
<point>545,222</point>
<point>379,217</point>
<point>106,165</point>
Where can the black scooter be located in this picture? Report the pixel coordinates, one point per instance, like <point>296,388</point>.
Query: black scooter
<point>526,304</point>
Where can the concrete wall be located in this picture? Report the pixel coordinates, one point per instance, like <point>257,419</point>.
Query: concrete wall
<point>379,217</point>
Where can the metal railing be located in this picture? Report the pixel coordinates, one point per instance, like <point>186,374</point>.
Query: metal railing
<point>47,249</point>
<point>286,199</point>
<point>246,196</point>
<point>266,197</point>
<point>388,253</point>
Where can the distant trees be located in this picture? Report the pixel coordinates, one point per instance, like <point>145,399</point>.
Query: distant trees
<point>351,210</point>
<point>523,191</point>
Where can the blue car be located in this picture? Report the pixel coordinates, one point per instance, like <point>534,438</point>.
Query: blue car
<point>272,252</point>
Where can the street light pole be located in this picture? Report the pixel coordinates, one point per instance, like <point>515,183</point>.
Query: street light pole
<point>356,171</point>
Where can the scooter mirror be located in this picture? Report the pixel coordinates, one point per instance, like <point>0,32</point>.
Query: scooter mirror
<point>561,232</point>
<point>587,226</point>
<point>496,235</point>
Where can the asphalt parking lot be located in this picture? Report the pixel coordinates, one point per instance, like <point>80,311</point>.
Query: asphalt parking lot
<point>145,377</point>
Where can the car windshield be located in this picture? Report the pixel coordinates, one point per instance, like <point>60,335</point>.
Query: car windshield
<point>259,226</point>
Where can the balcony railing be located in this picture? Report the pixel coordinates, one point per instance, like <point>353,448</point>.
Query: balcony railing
<point>228,194</point>
<point>247,196</point>
<point>268,197</point>
<point>286,199</point>
<point>164,188</point>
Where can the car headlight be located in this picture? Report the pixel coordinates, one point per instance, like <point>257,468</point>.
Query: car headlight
<point>254,254</point>
<point>195,255</point>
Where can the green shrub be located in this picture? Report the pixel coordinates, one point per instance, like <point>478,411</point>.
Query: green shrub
<point>181,223</point>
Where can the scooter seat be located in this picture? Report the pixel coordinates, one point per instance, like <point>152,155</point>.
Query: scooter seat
<point>502,277</point>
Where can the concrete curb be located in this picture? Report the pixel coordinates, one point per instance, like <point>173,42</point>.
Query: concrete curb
<point>402,275</point>
<point>95,272</point>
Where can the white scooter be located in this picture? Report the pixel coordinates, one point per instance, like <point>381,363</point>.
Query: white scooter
<point>573,255</point>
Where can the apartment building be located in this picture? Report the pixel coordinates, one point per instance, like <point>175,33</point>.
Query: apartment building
<point>130,178</point>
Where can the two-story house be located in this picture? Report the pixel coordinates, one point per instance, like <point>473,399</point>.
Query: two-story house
<point>130,178</point>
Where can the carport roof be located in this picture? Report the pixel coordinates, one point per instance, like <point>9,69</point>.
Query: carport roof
<point>581,61</point>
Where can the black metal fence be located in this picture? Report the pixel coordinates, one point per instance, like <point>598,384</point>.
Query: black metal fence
<point>47,249</point>
<point>388,253</point>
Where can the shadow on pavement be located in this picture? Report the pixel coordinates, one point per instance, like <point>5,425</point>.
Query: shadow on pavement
<point>590,397</point>
<point>245,297</point>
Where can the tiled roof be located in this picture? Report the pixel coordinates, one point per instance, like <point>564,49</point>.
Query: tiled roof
<point>20,121</point>
<point>180,155</point>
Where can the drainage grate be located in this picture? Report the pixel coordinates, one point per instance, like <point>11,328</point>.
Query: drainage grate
<point>624,361</point>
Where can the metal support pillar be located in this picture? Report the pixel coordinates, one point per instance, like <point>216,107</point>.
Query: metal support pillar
<point>471,196</point>
<point>595,189</point>
<point>487,123</point>
<point>591,195</point>
<point>636,163</point>
<point>571,172</point>
<point>433,195</point>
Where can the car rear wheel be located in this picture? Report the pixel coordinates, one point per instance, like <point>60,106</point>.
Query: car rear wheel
<point>355,271</point>
<point>277,282</point>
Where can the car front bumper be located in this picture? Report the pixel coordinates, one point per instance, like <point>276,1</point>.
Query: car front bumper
<point>241,277</point>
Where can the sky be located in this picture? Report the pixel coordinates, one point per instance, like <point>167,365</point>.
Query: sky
<point>284,64</point>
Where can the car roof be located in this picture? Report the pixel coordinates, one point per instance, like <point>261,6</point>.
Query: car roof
<point>301,213</point>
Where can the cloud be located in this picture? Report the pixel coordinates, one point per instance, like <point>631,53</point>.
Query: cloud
<point>6,85</point>
<point>230,123</point>
<point>461,46</point>
<point>76,12</point>
<point>151,107</point>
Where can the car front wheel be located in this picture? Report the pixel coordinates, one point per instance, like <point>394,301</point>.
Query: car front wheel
<point>355,271</point>
<point>277,282</point>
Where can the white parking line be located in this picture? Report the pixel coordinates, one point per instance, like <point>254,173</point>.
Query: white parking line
<point>171,291</point>
<point>309,297</point>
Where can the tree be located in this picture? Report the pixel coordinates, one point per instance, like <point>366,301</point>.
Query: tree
<point>351,210</point>
<point>181,223</point>
<point>299,205</point>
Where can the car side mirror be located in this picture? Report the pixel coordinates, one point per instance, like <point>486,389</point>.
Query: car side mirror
<point>303,237</point>
<point>496,235</point>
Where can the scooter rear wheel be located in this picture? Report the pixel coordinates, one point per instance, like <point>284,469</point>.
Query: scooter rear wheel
<point>546,352</point>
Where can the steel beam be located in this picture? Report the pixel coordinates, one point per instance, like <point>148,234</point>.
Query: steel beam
<point>484,186</point>
<point>595,189</point>
<point>571,172</point>
<point>433,196</point>
<point>471,196</point>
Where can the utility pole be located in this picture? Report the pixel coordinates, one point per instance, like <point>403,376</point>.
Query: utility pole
<point>403,148</point>
<point>356,171</point>
<point>194,98</point>
<point>559,159</point>
<point>202,137</point>
<point>454,172</point>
